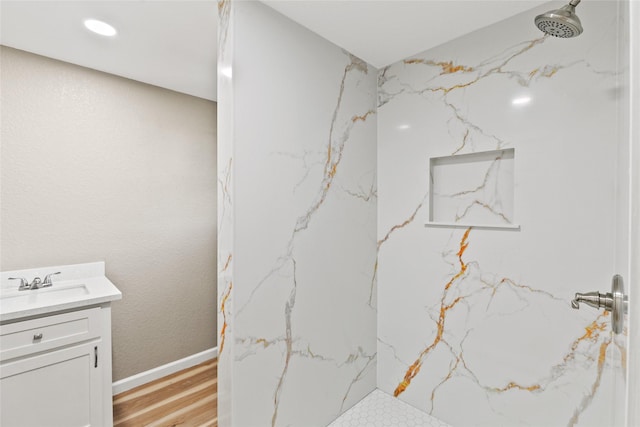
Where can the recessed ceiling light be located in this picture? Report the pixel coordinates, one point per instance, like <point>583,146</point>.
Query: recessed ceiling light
<point>100,27</point>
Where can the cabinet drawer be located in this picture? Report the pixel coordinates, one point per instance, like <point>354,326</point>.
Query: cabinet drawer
<point>45,333</point>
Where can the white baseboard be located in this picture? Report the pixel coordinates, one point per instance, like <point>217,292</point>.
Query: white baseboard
<point>162,371</point>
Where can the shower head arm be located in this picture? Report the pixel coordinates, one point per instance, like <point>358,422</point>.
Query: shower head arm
<point>574,3</point>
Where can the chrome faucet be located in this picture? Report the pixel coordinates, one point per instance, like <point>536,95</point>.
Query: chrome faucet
<point>594,299</point>
<point>47,279</point>
<point>615,301</point>
<point>37,282</point>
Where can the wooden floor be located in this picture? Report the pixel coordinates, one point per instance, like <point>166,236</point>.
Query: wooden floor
<point>186,398</point>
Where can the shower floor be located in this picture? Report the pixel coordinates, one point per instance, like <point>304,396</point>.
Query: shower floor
<point>379,409</point>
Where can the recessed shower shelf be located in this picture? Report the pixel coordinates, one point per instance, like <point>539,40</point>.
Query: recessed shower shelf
<point>513,227</point>
<point>473,190</point>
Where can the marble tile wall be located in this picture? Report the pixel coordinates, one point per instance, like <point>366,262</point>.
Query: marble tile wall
<point>298,192</point>
<point>474,324</point>
<point>633,155</point>
<point>225,212</point>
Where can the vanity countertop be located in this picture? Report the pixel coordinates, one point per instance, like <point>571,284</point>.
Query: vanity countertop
<point>77,286</point>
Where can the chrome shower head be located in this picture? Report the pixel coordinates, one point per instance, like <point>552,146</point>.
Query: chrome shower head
<point>562,22</point>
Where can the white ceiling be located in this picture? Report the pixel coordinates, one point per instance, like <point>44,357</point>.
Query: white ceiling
<point>385,31</point>
<point>172,44</point>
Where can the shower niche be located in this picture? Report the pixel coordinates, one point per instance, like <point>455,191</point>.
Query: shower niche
<point>473,190</point>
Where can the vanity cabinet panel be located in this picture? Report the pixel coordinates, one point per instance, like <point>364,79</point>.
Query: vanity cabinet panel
<point>45,333</point>
<point>55,388</point>
<point>55,370</point>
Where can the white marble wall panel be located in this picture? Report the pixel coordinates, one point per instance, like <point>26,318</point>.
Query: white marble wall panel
<point>475,325</point>
<point>225,213</point>
<point>633,116</point>
<point>303,348</point>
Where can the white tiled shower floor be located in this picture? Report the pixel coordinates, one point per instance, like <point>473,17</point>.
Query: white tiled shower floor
<point>379,409</point>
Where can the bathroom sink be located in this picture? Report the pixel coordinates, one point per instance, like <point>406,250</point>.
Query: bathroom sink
<point>11,300</point>
<point>78,286</point>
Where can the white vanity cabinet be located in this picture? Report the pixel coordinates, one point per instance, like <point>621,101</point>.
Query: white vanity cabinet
<point>56,370</point>
<point>55,348</point>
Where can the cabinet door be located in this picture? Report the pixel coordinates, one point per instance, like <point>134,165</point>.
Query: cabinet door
<point>58,388</point>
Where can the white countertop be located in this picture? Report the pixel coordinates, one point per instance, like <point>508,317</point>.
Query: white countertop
<point>78,286</point>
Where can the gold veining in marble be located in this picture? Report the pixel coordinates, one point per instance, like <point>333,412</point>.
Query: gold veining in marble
<point>363,117</point>
<point>595,333</point>
<point>335,146</point>
<point>334,153</point>
<point>496,69</point>
<point>446,66</point>
<point>223,7</point>
<point>492,66</point>
<point>264,342</point>
<point>414,369</point>
<point>223,311</point>
<point>588,398</point>
<point>227,263</point>
<point>581,364</point>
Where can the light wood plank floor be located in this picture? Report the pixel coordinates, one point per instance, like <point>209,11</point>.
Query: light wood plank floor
<point>186,398</point>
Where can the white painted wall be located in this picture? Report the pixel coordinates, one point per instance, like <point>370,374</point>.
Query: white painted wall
<point>100,168</point>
